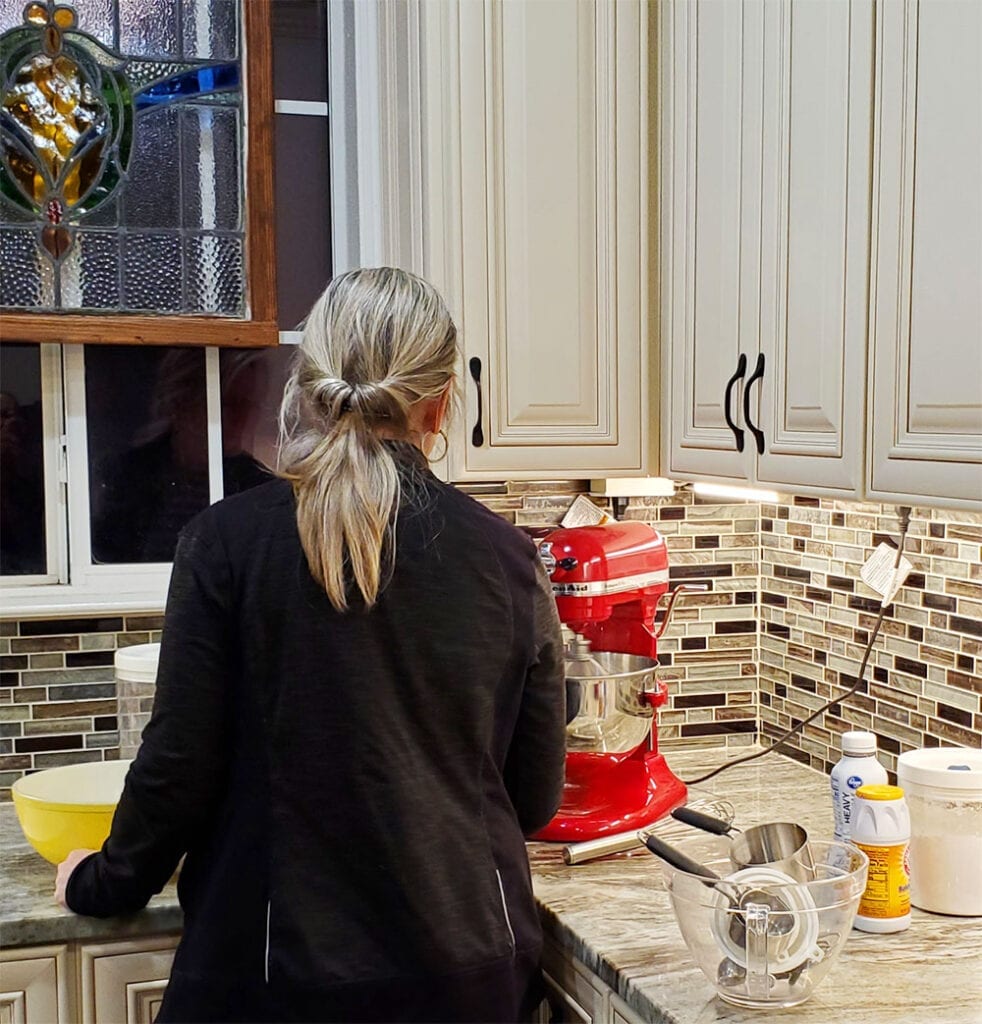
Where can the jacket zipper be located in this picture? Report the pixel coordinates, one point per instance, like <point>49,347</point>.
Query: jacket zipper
<point>504,907</point>
<point>268,908</point>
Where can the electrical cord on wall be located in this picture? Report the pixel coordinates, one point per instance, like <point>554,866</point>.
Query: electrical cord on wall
<point>903,512</point>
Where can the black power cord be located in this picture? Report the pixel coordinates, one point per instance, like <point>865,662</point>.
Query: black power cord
<point>903,514</point>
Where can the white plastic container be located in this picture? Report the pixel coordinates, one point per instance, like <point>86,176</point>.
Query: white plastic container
<point>136,677</point>
<point>881,829</point>
<point>943,786</point>
<point>857,767</point>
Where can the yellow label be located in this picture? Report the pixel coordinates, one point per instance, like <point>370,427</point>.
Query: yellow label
<point>887,892</point>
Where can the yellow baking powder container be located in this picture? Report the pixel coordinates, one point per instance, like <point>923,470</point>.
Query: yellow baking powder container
<point>881,829</point>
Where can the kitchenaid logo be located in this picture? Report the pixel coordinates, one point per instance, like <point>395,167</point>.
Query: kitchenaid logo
<point>618,586</point>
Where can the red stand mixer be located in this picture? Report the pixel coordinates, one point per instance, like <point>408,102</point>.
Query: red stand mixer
<point>608,581</point>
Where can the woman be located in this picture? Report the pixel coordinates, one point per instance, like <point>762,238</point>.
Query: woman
<point>359,711</point>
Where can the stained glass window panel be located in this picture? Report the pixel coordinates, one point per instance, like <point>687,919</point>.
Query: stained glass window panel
<point>23,549</point>
<point>122,118</point>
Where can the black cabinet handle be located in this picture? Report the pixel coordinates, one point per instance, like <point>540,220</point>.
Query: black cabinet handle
<point>756,431</point>
<point>740,371</point>
<point>477,434</point>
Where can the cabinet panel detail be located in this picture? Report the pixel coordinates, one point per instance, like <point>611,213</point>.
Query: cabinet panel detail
<point>926,379</point>
<point>536,145</point>
<point>123,982</point>
<point>35,987</point>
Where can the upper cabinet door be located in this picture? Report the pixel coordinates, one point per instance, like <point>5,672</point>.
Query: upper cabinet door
<point>711,64</point>
<point>765,224</point>
<point>925,395</point>
<point>814,213</point>
<point>536,173</point>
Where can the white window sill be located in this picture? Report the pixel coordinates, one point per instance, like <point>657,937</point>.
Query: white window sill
<point>53,600</point>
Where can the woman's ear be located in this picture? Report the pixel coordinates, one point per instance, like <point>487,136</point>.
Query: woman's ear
<point>443,404</point>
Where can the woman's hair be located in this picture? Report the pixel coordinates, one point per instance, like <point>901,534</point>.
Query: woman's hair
<point>375,343</point>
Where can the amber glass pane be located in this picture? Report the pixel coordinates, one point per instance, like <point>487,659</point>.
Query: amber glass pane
<point>22,512</point>
<point>147,423</point>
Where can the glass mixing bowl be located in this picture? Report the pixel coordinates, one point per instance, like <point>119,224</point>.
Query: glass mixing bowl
<point>763,938</point>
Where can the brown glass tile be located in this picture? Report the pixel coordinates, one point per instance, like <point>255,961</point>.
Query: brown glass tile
<point>33,744</point>
<point>963,625</point>
<point>939,602</point>
<point>956,715</point>
<point>74,709</point>
<point>44,643</point>
<point>699,700</point>
<point>61,627</point>
<point>86,659</point>
<point>936,529</point>
<point>143,622</point>
<point>719,728</point>
<point>943,730</point>
<point>8,628</point>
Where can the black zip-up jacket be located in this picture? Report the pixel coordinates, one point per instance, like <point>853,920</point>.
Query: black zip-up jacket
<point>352,790</point>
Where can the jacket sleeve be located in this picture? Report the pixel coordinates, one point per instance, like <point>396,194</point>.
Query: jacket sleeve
<point>535,767</point>
<point>178,776</point>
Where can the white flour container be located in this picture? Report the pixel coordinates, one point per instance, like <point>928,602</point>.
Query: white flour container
<point>136,677</point>
<point>943,786</point>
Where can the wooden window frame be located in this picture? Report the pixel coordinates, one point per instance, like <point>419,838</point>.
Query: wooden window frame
<point>260,328</point>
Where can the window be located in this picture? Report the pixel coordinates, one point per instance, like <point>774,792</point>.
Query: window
<point>108,450</point>
<point>135,172</point>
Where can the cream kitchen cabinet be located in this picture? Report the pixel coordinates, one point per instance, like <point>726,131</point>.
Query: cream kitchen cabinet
<point>576,995</point>
<point>925,396</point>
<point>765,131</point>
<point>36,985</point>
<point>124,982</point>
<point>119,982</point>
<point>535,189</point>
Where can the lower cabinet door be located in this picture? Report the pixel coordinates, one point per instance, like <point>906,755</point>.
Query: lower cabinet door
<point>35,987</point>
<point>574,993</point>
<point>124,982</point>
<point>621,1013</point>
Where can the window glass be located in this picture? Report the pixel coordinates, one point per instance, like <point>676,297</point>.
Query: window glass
<point>303,214</point>
<point>300,50</point>
<point>252,386</point>
<point>22,512</point>
<point>121,159</point>
<point>147,425</point>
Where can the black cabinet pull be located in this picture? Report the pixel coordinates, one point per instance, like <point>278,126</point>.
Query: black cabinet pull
<point>740,371</point>
<point>477,434</point>
<point>756,431</point>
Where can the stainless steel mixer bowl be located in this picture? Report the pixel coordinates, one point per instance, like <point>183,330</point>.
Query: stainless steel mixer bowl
<point>606,709</point>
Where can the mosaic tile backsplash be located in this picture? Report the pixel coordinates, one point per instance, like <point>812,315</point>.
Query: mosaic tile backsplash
<point>781,629</point>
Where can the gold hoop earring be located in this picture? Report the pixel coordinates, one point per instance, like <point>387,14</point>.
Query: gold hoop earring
<point>446,447</point>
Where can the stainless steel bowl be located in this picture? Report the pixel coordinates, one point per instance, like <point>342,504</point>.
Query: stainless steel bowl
<point>606,707</point>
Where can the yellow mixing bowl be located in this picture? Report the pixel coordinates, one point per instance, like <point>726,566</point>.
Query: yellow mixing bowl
<point>69,808</point>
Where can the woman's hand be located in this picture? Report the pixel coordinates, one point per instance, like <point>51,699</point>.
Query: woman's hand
<point>65,869</point>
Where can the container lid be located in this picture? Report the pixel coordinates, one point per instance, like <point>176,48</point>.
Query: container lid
<point>137,664</point>
<point>877,792</point>
<point>957,768</point>
<point>858,744</point>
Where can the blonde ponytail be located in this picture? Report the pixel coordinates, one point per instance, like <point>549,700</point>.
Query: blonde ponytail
<point>376,343</point>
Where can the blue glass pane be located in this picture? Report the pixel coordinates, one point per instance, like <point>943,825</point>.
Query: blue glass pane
<point>188,84</point>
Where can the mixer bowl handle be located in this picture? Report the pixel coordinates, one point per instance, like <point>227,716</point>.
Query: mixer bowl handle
<point>657,696</point>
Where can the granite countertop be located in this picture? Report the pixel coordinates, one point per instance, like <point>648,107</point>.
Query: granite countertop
<point>614,916</point>
<point>29,915</point>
